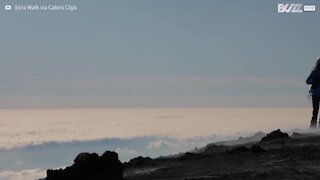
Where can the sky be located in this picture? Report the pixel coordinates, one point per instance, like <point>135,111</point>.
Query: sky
<point>157,53</point>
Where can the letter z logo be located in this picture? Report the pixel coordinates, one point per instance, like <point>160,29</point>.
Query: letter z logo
<point>290,8</point>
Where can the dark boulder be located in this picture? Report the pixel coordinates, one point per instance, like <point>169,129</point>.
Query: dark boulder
<point>275,135</point>
<point>139,162</point>
<point>90,166</point>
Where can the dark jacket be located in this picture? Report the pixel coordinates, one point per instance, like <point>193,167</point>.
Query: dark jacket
<point>314,80</point>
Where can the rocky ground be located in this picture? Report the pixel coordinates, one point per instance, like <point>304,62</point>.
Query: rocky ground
<point>275,156</point>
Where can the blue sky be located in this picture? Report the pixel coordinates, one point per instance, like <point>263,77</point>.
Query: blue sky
<point>152,53</point>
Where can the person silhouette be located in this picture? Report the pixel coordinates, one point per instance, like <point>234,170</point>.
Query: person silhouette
<point>314,80</point>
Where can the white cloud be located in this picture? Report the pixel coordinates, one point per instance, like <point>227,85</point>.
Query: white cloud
<point>126,151</point>
<point>161,143</point>
<point>31,174</point>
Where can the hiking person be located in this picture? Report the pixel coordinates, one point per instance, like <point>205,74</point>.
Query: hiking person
<point>314,80</point>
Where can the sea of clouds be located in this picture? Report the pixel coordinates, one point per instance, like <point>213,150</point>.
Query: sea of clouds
<point>32,141</point>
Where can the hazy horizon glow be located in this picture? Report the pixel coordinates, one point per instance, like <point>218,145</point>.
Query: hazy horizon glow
<point>20,128</point>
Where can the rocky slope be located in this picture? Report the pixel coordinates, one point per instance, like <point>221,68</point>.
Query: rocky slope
<point>276,156</point>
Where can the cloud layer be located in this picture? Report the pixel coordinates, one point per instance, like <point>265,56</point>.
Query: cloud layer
<point>161,143</point>
<point>19,128</point>
<point>31,174</point>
